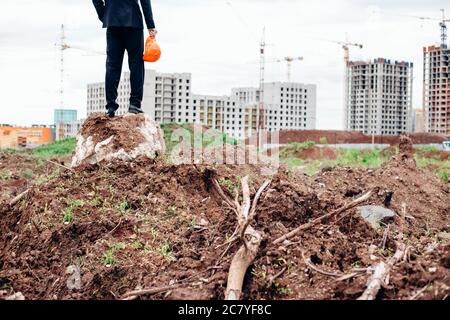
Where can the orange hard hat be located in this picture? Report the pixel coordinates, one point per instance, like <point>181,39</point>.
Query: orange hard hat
<point>152,51</point>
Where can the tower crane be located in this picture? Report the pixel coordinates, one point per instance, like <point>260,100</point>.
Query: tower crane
<point>346,46</point>
<point>262,68</point>
<point>289,61</point>
<point>442,22</point>
<point>62,47</point>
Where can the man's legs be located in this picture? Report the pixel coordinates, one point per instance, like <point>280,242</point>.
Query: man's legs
<point>115,51</point>
<point>134,44</point>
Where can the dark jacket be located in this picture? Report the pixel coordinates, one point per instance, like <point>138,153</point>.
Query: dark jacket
<point>124,13</point>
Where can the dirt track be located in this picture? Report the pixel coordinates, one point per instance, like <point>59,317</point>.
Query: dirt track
<point>147,224</point>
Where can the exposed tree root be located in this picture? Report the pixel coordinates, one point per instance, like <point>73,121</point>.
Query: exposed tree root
<point>381,272</point>
<point>250,238</point>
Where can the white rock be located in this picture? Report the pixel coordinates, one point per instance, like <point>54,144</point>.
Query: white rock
<point>89,152</point>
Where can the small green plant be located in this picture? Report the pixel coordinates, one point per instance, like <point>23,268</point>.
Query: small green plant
<point>282,290</point>
<point>166,251</point>
<point>261,275</point>
<point>68,212</point>
<point>28,174</point>
<point>230,184</point>
<point>95,202</point>
<point>171,211</point>
<point>6,175</point>
<point>153,233</point>
<point>323,140</point>
<point>137,245</point>
<point>124,207</point>
<point>68,215</point>
<point>109,258</point>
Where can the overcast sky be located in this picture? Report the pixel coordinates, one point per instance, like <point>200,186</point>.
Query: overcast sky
<point>215,41</point>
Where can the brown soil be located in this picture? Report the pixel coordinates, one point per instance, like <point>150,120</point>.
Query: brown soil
<point>122,128</point>
<point>148,224</point>
<point>19,172</point>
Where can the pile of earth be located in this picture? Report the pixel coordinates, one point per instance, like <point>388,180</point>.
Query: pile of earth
<point>148,224</point>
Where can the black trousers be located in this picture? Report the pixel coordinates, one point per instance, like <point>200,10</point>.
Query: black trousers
<point>118,40</point>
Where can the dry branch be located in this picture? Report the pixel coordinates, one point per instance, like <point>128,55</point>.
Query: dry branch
<point>134,294</point>
<point>312,266</point>
<point>60,165</point>
<point>381,272</point>
<point>312,223</point>
<point>18,198</point>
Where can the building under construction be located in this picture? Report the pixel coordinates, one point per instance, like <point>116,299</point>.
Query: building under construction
<point>436,89</point>
<point>379,97</point>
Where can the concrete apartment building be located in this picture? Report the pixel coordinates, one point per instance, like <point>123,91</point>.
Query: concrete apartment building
<point>379,97</point>
<point>168,98</point>
<point>436,89</point>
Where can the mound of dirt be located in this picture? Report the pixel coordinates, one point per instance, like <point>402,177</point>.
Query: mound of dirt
<point>126,137</point>
<point>123,226</point>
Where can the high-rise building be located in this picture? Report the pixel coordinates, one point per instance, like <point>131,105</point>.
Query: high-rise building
<point>436,89</point>
<point>64,116</point>
<point>379,97</point>
<point>168,98</point>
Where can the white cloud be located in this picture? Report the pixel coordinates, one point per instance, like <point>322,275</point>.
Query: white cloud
<point>210,39</point>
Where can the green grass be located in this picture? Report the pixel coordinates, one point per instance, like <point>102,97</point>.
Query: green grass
<point>438,167</point>
<point>57,149</point>
<point>366,158</point>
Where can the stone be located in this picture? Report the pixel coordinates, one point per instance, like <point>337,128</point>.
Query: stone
<point>125,138</point>
<point>376,215</point>
<point>16,296</point>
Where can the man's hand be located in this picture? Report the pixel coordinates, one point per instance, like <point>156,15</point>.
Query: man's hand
<point>152,32</point>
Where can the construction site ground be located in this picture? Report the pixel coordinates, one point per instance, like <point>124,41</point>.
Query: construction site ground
<point>149,224</point>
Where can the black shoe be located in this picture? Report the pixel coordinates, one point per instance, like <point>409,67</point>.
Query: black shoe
<point>110,113</point>
<point>135,110</point>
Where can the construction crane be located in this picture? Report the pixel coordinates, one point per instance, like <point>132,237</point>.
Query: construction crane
<point>289,61</point>
<point>442,22</point>
<point>262,113</point>
<point>62,47</point>
<point>346,46</point>
<point>262,67</point>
